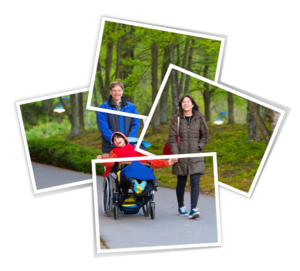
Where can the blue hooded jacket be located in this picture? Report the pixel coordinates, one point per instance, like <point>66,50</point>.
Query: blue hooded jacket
<point>137,170</point>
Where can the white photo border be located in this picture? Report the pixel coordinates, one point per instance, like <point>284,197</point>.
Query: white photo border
<point>282,112</point>
<point>106,19</point>
<point>18,104</point>
<point>96,213</point>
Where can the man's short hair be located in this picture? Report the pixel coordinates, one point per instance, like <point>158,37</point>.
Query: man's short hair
<point>116,83</point>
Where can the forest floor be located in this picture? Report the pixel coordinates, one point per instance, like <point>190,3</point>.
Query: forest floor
<point>238,159</point>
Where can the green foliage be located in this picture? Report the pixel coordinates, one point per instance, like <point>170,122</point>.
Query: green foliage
<point>41,122</point>
<point>218,101</point>
<point>63,154</point>
<point>112,31</point>
<point>135,66</point>
<point>40,112</point>
<point>143,95</point>
<point>50,129</point>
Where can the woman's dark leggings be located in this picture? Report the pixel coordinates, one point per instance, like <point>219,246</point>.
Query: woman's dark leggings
<point>181,183</point>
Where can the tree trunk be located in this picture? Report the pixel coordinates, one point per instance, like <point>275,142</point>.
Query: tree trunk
<point>108,63</point>
<point>264,112</point>
<point>272,117</point>
<point>119,53</point>
<point>96,98</point>
<point>80,111</point>
<point>257,137</point>
<point>259,121</point>
<point>207,100</point>
<point>207,96</point>
<point>250,125</point>
<point>177,64</point>
<point>230,102</point>
<point>165,93</point>
<point>130,99</point>
<point>127,53</point>
<point>189,68</point>
<point>173,82</point>
<point>154,73</point>
<point>185,57</point>
<point>74,128</point>
<point>101,83</point>
<point>66,110</point>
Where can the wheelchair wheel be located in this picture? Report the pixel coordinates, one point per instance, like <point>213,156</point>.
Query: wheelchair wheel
<point>146,209</point>
<point>107,195</point>
<point>152,210</point>
<point>116,211</point>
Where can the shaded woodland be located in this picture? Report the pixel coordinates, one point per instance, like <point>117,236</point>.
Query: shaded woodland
<point>139,57</point>
<point>74,121</point>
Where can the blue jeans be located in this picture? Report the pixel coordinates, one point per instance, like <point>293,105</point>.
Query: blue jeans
<point>194,183</point>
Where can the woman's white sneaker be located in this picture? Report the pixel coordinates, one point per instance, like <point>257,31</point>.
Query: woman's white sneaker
<point>182,211</point>
<point>194,213</point>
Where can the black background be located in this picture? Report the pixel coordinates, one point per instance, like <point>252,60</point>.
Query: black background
<point>56,53</point>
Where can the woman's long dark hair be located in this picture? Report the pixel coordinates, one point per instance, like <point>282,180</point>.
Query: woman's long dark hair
<point>195,108</point>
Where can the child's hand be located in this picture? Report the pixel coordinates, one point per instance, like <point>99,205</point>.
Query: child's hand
<point>98,157</point>
<point>174,160</point>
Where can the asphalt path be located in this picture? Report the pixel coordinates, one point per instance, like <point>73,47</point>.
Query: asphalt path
<point>167,229</point>
<point>47,176</point>
<point>131,231</point>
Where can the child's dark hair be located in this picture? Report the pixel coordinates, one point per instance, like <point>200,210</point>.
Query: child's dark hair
<point>118,135</point>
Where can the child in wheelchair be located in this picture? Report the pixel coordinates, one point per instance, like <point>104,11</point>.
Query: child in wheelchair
<point>131,187</point>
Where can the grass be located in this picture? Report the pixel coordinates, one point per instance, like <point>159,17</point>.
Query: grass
<point>238,158</point>
<point>91,138</point>
<point>103,244</point>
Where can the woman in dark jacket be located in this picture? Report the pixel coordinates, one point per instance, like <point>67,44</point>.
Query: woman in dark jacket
<point>190,124</point>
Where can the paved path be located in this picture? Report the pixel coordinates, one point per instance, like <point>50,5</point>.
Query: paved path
<point>48,176</point>
<point>167,228</point>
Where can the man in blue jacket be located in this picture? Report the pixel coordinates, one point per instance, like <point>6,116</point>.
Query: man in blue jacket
<point>110,123</point>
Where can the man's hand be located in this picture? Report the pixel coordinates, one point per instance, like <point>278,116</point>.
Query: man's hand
<point>99,157</point>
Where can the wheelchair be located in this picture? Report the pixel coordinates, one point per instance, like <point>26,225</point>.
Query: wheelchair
<point>119,199</point>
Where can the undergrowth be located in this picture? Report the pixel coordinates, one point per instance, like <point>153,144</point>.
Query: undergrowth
<point>50,129</point>
<point>238,158</point>
<point>63,154</point>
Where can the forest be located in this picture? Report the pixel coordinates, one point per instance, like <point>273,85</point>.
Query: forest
<point>139,57</point>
